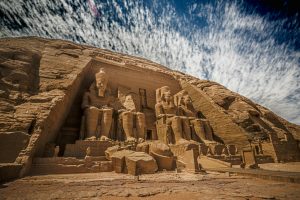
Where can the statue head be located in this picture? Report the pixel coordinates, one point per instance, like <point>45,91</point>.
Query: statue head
<point>101,82</point>
<point>186,99</point>
<point>182,98</point>
<point>165,93</point>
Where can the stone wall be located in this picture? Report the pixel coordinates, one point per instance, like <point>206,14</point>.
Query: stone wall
<point>9,171</point>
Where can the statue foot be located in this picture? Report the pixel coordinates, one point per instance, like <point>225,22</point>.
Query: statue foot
<point>91,138</point>
<point>104,138</point>
<point>141,140</point>
<point>131,139</point>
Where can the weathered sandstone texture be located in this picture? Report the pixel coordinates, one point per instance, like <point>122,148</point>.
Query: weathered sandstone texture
<point>45,84</point>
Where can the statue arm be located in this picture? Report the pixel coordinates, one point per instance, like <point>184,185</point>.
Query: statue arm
<point>117,106</point>
<point>159,112</point>
<point>180,111</point>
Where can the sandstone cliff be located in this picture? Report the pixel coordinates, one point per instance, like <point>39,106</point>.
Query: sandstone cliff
<point>40,80</point>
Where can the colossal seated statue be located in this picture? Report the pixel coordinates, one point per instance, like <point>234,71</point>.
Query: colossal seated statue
<point>168,123</point>
<point>200,127</point>
<point>132,122</point>
<point>97,107</point>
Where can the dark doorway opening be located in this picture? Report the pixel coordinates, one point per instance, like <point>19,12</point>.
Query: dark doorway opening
<point>257,150</point>
<point>149,135</point>
<point>200,115</point>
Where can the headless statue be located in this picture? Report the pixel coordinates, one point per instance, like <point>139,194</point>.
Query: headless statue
<point>97,108</point>
<point>186,109</point>
<point>166,110</point>
<point>133,122</point>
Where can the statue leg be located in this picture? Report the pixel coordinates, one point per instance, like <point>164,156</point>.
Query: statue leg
<point>177,128</point>
<point>91,121</point>
<point>199,129</point>
<point>169,136</point>
<point>186,128</point>
<point>127,123</point>
<point>100,116</point>
<point>208,130</point>
<point>140,124</point>
<point>106,122</point>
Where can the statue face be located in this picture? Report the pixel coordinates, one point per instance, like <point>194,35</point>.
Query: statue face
<point>186,100</point>
<point>166,94</point>
<point>128,98</point>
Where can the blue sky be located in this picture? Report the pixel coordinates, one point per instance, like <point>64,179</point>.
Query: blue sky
<point>249,46</point>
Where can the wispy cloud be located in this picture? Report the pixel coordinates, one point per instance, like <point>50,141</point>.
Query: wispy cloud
<point>231,47</point>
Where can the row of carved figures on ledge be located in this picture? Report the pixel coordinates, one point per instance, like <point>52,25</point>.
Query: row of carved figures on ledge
<point>176,118</point>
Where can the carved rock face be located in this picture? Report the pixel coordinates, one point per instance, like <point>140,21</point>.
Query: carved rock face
<point>186,100</point>
<point>166,93</point>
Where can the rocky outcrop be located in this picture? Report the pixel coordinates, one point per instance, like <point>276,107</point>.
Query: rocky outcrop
<point>140,163</point>
<point>160,152</point>
<point>237,120</point>
<point>118,160</point>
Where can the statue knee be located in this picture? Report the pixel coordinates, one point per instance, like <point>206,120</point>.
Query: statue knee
<point>168,122</point>
<point>125,113</point>
<point>108,110</point>
<point>176,119</point>
<point>140,115</point>
<point>91,111</point>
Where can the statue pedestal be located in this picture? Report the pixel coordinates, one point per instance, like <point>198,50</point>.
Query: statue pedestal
<point>78,149</point>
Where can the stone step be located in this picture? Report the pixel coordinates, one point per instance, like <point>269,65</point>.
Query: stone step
<point>69,165</point>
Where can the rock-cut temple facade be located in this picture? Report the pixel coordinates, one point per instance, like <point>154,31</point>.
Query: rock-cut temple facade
<point>68,108</point>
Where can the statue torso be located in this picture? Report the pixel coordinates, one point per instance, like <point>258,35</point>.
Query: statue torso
<point>168,108</point>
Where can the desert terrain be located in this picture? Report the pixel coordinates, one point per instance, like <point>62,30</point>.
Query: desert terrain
<point>164,185</point>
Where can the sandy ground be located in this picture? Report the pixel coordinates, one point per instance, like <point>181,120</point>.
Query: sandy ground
<point>165,185</point>
<point>286,167</point>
